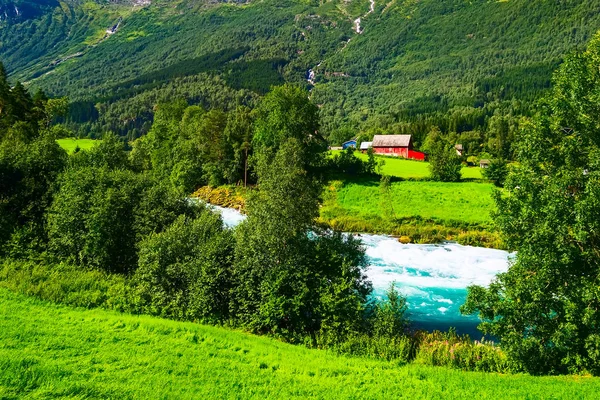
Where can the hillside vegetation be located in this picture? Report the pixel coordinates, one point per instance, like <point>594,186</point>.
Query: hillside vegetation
<point>450,63</point>
<point>55,351</point>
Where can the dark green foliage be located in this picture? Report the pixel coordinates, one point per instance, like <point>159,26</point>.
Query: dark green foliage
<point>27,175</point>
<point>102,209</point>
<point>497,172</point>
<point>192,147</point>
<point>445,164</point>
<point>30,161</point>
<point>99,215</point>
<point>347,163</point>
<point>184,272</point>
<point>390,315</point>
<point>545,308</point>
<point>287,113</point>
<point>109,153</point>
<point>290,277</point>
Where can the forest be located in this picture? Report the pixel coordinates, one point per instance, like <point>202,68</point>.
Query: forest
<point>470,68</point>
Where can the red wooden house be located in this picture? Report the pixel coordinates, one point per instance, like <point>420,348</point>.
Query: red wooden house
<point>396,145</point>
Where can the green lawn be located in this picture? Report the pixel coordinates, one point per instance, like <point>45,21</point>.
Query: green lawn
<point>414,169</point>
<point>70,144</point>
<point>50,351</point>
<point>467,201</point>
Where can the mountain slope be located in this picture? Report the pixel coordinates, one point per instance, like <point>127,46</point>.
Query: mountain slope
<point>410,56</point>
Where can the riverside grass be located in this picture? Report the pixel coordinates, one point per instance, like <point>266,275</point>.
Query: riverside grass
<point>49,351</point>
<point>466,202</point>
<point>416,211</point>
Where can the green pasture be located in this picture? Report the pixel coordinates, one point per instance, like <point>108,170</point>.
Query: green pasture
<point>70,144</point>
<point>403,168</point>
<point>468,202</point>
<point>50,351</point>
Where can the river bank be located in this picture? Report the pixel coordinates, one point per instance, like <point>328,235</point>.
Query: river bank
<point>416,229</point>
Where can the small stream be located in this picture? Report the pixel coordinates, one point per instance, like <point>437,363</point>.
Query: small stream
<point>433,277</point>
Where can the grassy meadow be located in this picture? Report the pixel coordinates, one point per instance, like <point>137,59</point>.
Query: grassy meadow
<point>70,144</point>
<point>410,169</point>
<point>465,202</point>
<point>50,351</point>
<point>417,211</point>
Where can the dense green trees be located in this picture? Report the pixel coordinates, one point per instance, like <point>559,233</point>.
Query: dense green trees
<point>184,272</point>
<point>30,162</point>
<point>291,277</point>
<point>102,209</point>
<point>414,66</point>
<point>191,147</point>
<point>445,164</point>
<point>545,308</point>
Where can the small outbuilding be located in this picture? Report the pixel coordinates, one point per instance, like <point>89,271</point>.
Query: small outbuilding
<point>484,163</point>
<point>396,145</point>
<point>365,146</point>
<point>349,143</point>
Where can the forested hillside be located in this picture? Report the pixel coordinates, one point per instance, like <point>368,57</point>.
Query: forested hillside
<point>406,66</point>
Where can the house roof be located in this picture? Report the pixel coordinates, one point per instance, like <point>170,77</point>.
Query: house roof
<point>366,145</point>
<point>391,140</point>
<point>484,161</point>
<point>350,141</point>
<point>458,147</point>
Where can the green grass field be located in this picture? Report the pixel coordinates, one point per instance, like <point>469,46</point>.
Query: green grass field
<point>70,144</point>
<point>402,168</point>
<point>50,351</point>
<point>468,202</point>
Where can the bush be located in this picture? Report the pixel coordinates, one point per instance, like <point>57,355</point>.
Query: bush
<point>497,172</point>
<point>99,215</point>
<point>346,162</point>
<point>184,272</point>
<point>445,164</point>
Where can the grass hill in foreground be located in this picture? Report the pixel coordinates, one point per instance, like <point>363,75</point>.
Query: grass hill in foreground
<point>49,351</point>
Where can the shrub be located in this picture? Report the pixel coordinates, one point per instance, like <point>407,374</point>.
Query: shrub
<point>184,272</point>
<point>497,172</point>
<point>99,215</point>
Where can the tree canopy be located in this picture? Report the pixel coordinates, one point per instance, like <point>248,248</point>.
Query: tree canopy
<point>545,309</point>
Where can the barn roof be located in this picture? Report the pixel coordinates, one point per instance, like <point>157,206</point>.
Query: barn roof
<point>366,145</point>
<point>391,140</point>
